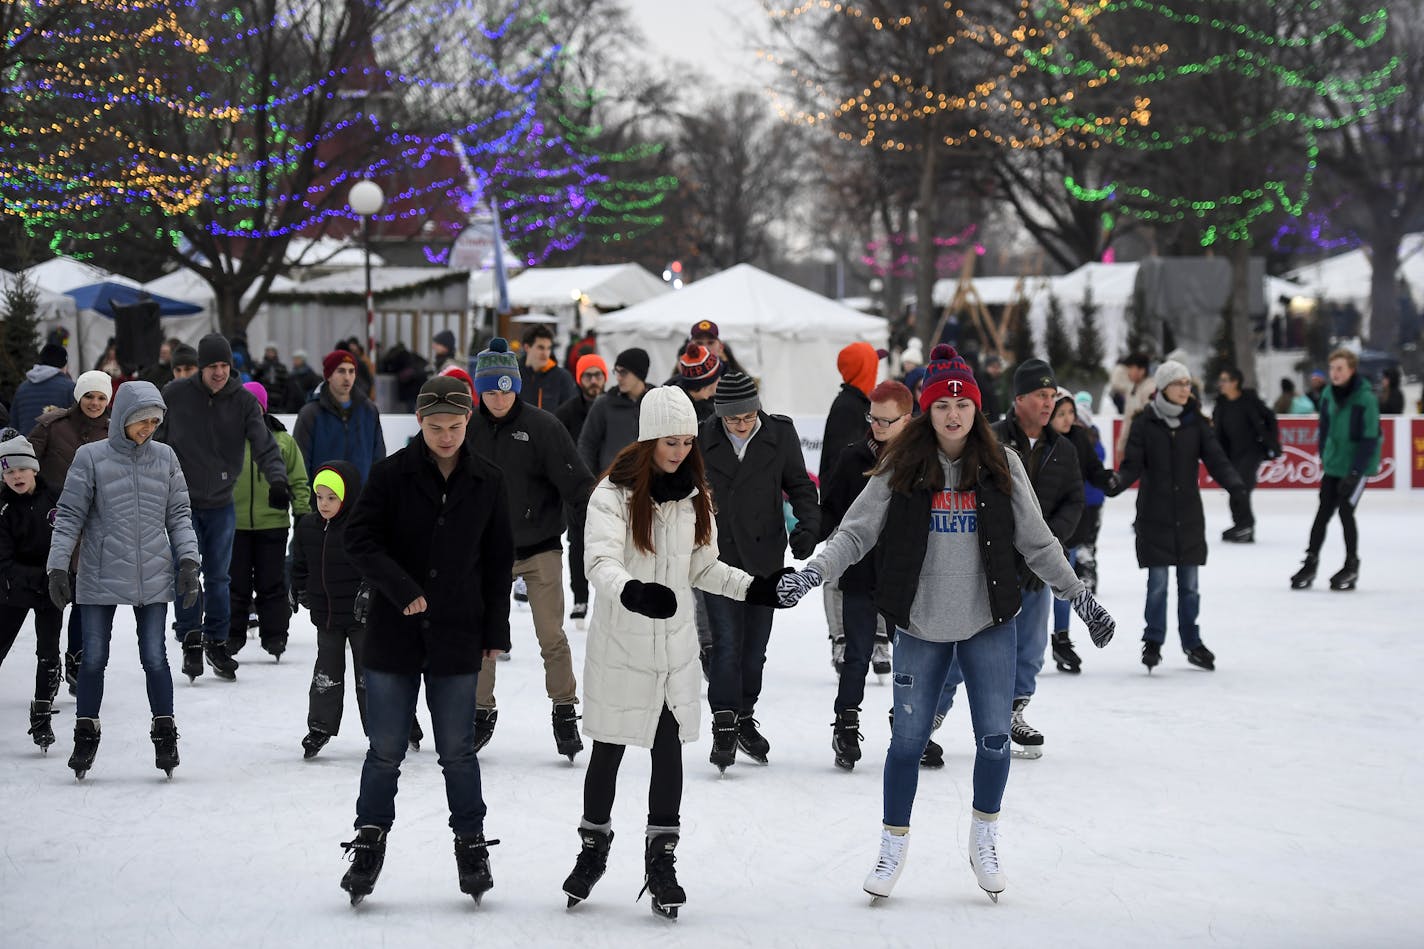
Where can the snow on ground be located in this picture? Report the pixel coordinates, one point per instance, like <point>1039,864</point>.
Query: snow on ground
<point>1271,803</point>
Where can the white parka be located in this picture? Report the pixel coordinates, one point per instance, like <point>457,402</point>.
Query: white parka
<point>634,665</point>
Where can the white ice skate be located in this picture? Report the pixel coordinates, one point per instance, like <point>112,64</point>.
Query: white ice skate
<point>984,855</point>
<point>881,879</point>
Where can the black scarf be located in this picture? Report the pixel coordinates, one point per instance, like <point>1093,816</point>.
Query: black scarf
<point>672,487</point>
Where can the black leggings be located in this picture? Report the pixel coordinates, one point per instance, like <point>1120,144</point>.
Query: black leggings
<point>664,787</point>
<point>1331,499</point>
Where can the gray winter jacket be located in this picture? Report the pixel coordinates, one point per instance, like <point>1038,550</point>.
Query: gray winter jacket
<point>130,504</point>
<point>208,431</point>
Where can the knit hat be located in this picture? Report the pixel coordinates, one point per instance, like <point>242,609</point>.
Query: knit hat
<point>698,366</point>
<point>445,338</point>
<point>95,380</point>
<point>497,369</point>
<point>184,355</point>
<point>19,453</point>
<point>665,412</point>
<point>259,392</point>
<point>736,395</point>
<point>443,395</point>
<point>914,354</point>
<point>143,413</point>
<point>947,376</point>
<point>1169,372</point>
<point>858,364</point>
<point>635,361</point>
<point>455,372</point>
<point>333,359</point>
<point>704,329</point>
<point>1083,403</point>
<point>54,355</point>
<point>214,348</point>
<point>1032,375</point>
<point>590,361</point>
<point>330,479</point>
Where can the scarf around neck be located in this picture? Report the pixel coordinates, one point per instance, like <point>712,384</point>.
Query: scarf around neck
<point>1168,412</point>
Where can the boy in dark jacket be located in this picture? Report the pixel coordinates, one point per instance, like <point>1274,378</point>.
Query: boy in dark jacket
<point>326,582</point>
<point>27,507</point>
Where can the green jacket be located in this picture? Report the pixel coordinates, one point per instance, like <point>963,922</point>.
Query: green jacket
<point>249,497</point>
<point>1350,430</point>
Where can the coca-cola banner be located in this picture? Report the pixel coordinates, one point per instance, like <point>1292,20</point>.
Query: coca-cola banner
<point>1416,453</point>
<point>1299,463</point>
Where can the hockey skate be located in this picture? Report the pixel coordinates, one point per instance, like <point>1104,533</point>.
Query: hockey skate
<point>193,655</point>
<point>751,741</point>
<point>590,865</point>
<point>1151,655</point>
<point>1305,576</point>
<point>724,740</point>
<point>566,732</point>
<point>1065,657</point>
<point>846,737</point>
<point>367,853</point>
<point>41,728</point>
<point>880,881</point>
<point>416,734</point>
<point>880,658</point>
<point>164,734</point>
<point>54,678</point>
<point>86,746</point>
<point>660,874</point>
<point>933,756</point>
<point>485,719</point>
<point>1239,535</point>
<point>1347,576</point>
<point>224,666</point>
<point>579,614</point>
<point>521,592</point>
<point>1201,657</point>
<point>1027,740</point>
<point>472,861</point>
<point>314,742</point>
<point>984,854</point>
<point>71,670</point>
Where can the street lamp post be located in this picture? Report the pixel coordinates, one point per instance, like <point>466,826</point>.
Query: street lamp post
<point>366,198</point>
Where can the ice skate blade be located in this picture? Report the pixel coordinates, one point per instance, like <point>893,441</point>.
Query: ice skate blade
<point>1069,668</point>
<point>356,898</point>
<point>1030,753</point>
<point>1343,587</point>
<point>876,899</point>
<point>845,765</point>
<point>1301,584</point>
<point>666,912</point>
<point>991,894</point>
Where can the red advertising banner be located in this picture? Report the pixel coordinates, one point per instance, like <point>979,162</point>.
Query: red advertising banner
<point>1416,453</point>
<point>1299,464</point>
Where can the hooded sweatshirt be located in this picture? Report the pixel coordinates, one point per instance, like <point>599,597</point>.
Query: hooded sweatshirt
<point>45,388</point>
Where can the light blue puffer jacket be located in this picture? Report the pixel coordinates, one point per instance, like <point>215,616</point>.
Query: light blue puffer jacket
<point>130,504</point>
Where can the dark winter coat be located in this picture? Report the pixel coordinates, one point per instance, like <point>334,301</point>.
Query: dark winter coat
<point>301,383</point>
<point>1053,468</point>
<point>209,432</point>
<point>1096,478</point>
<point>415,533</point>
<point>573,414</point>
<point>547,388</point>
<point>26,529</point>
<point>845,424</point>
<point>837,494</point>
<point>326,432</point>
<point>611,426</point>
<point>1245,428</point>
<point>1349,432</point>
<point>543,473</point>
<point>45,388</point>
<point>58,435</point>
<point>324,577</point>
<point>751,525</point>
<point>1171,527</point>
<point>273,376</point>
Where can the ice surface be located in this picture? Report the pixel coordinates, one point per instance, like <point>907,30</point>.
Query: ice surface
<point>1271,803</point>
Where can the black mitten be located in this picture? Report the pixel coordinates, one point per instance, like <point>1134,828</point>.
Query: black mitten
<point>652,600</point>
<point>762,591</point>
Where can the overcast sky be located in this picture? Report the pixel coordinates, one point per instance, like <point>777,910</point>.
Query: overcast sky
<point>711,35</point>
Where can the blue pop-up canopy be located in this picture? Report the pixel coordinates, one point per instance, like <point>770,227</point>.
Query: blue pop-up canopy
<point>99,296</point>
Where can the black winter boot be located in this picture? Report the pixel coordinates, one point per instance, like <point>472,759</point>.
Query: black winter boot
<point>724,740</point>
<point>368,853</point>
<point>164,733</point>
<point>591,863</point>
<point>472,862</point>
<point>660,873</point>
<point>845,738</point>
<point>566,731</point>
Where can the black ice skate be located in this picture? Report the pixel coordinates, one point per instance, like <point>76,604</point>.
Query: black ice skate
<point>1305,576</point>
<point>659,873</point>
<point>41,728</point>
<point>71,670</point>
<point>54,677</point>
<point>86,746</point>
<point>579,614</point>
<point>724,740</point>
<point>1347,576</point>
<point>845,738</point>
<point>193,654</point>
<point>1151,655</point>
<point>314,742</point>
<point>566,732</point>
<point>485,719</point>
<point>880,662</point>
<point>1065,657</point>
<point>274,646</point>
<point>1027,739</point>
<point>752,742</point>
<point>165,744</point>
<point>933,756</point>
<point>592,861</point>
<point>1201,657</point>
<point>367,854</point>
<point>416,735</point>
<point>1239,535</point>
<point>224,666</point>
<point>472,862</point>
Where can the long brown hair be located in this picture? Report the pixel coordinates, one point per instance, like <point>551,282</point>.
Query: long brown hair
<point>633,468</point>
<point>912,458</point>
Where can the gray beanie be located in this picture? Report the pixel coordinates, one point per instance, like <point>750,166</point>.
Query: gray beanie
<point>736,395</point>
<point>17,452</point>
<point>1169,372</point>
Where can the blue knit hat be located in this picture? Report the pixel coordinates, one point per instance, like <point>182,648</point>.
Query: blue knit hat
<point>497,369</point>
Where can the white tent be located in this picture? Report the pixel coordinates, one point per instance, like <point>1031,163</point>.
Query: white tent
<point>993,291</point>
<point>1345,278</point>
<point>785,336</point>
<point>1112,287</point>
<point>65,273</point>
<point>607,286</point>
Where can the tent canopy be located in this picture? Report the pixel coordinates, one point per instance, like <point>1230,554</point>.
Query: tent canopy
<point>784,335</point>
<point>101,297</point>
<point>607,286</point>
<point>63,274</point>
<point>1346,277</point>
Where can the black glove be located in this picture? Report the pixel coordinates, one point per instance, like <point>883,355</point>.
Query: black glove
<point>653,600</point>
<point>361,608</point>
<point>1101,625</point>
<point>59,592</point>
<point>188,585</point>
<point>1348,485</point>
<point>278,496</point>
<point>762,591</point>
<point>803,543</point>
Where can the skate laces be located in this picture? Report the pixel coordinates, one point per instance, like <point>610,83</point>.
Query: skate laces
<point>986,835</point>
<point>892,851</point>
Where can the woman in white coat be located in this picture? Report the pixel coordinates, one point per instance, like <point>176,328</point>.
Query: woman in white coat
<point>649,539</point>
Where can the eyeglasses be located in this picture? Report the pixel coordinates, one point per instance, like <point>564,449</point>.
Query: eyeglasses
<point>620,371</point>
<point>739,420</point>
<point>883,422</point>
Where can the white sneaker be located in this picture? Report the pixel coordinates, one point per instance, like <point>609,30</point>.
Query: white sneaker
<point>893,848</point>
<point>984,855</point>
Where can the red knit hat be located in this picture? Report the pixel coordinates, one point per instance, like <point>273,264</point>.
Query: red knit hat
<point>698,366</point>
<point>333,359</point>
<point>458,373</point>
<point>947,376</point>
<point>590,361</point>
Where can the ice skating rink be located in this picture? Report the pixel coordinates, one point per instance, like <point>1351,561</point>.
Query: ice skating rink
<point>1273,802</point>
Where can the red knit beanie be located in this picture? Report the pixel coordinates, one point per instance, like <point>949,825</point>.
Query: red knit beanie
<point>333,359</point>
<point>590,361</point>
<point>947,376</point>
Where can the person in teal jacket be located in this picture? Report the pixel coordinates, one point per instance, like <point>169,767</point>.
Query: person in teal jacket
<point>259,546</point>
<point>1350,445</point>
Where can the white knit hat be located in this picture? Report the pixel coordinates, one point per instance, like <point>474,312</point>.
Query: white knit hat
<point>1170,372</point>
<point>664,412</point>
<point>18,453</point>
<point>93,381</point>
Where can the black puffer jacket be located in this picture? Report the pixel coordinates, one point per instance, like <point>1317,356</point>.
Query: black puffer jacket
<point>324,577</point>
<point>1053,467</point>
<point>838,493</point>
<point>26,528</point>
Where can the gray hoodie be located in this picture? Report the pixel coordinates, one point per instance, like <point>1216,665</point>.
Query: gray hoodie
<point>952,603</point>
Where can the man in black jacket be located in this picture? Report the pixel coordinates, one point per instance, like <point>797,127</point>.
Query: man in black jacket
<point>752,459</point>
<point>432,536</point>
<point>1247,432</point>
<point>592,377</point>
<point>544,475</point>
<point>612,422</point>
<point>209,420</point>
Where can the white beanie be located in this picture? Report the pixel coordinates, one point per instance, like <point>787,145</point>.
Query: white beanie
<point>665,412</point>
<point>914,353</point>
<point>18,453</point>
<point>93,381</point>
<point>1170,372</point>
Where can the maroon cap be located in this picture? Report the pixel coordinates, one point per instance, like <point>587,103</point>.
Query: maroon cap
<point>704,329</point>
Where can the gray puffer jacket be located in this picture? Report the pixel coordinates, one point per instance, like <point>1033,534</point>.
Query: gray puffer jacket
<point>130,504</point>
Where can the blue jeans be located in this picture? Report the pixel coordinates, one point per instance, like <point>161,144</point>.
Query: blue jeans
<point>1188,605</point>
<point>1063,609</point>
<point>390,708</point>
<point>740,633</point>
<point>98,625</point>
<point>921,670</point>
<point>1031,640</point>
<point>215,528</point>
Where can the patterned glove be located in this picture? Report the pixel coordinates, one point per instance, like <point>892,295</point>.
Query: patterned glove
<point>362,607</point>
<point>1101,626</point>
<point>59,592</point>
<point>793,586</point>
<point>188,586</point>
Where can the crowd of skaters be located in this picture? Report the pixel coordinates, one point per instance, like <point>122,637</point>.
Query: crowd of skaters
<point>679,500</point>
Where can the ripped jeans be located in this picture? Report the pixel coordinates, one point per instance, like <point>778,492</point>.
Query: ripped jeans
<point>987,661</point>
